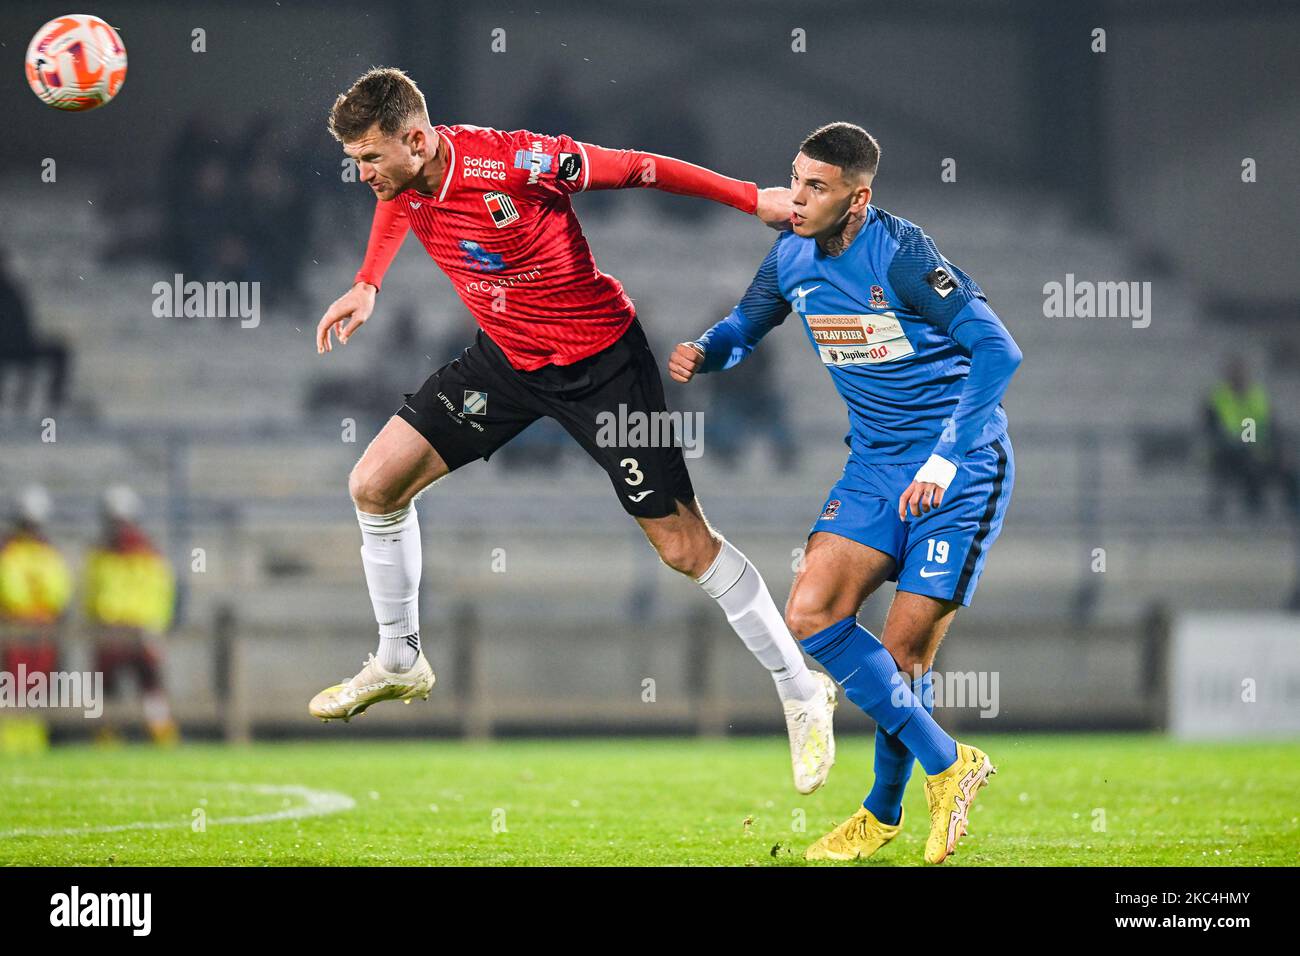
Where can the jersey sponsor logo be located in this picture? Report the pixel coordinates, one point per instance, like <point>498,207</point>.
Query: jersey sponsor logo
<point>831,510</point>
<point>570,166</point>
<point>878,300</point>
<point>415,205</point>
<point>475,403</point>
<point>533,160</point>
<point>501,208</point>
<point>495,284</point>
<point>941,281</point>
<point>480,167</point>
<point>859,339</point>
<point>479,258</point>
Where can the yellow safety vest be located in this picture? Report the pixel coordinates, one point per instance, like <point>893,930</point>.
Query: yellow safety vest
<point>35,582</point>
<point>1233,408</point>
<point>129,589</point>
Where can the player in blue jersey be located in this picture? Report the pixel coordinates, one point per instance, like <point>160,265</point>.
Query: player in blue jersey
<point>922,363</point>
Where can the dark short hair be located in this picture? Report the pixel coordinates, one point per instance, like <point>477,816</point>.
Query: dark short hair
<point>849,147</point>
<point>382,95</point>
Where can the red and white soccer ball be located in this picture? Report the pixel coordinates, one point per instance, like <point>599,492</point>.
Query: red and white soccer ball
<point>77,62</point>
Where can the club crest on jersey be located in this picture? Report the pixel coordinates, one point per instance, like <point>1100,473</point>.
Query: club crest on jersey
<point>501,208</point>
<point>831,510</point>
<point>878,300</point>
<point>475,403</point>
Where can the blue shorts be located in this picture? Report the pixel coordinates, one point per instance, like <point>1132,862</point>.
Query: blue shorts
<point>940,554</point>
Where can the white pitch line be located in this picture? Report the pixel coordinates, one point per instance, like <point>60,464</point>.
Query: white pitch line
<point>316,803</point>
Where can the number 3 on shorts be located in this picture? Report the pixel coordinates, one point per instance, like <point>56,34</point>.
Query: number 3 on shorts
<point>634,477</point>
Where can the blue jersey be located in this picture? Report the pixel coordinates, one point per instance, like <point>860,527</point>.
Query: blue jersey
<point>908,338</point>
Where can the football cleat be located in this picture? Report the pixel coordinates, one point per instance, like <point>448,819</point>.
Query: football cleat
<point>855,839</point>
<point>812,735</point>
<point>373,684</point>
<point>950,795</point>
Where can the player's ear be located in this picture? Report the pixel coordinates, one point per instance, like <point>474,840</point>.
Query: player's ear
<point>861,197</point>
<point>416,141</point>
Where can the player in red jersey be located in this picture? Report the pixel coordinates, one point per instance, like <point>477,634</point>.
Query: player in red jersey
<point>557,338</point>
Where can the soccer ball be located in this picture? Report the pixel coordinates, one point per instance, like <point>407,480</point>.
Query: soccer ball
<point>77,62</point>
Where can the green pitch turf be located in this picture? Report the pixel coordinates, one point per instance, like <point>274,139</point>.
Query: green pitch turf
<point>1059,800</point>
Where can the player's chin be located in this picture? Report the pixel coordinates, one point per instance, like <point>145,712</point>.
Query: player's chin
<point>800,227</point>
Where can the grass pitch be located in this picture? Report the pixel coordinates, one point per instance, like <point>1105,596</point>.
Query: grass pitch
<point>1056,800</point>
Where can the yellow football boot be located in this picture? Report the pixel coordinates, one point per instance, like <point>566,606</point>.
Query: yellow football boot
<point>855,839</point>
<point>950,795</point>
<point>164,733</point>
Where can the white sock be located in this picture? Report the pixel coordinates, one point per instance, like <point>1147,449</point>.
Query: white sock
<point>390,554</point>
<point>734,582</point>
<point>398,654</point>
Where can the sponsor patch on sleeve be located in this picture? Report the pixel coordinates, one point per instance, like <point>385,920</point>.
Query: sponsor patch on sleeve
<point>569,167</point>
<point>941,281</point>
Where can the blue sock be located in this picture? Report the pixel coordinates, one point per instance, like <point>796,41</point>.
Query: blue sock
<point>894,762</point>
<point>870,678</point>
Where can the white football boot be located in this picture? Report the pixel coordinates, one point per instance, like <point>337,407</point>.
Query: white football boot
<point>812,734</point>
<point>347,700</point>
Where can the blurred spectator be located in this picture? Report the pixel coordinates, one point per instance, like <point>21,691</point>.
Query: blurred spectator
<point>275,224</point>
<point>208,246</point>
<point>22,354</point>
<point>1247,451</point>
<point>129,600</point>
<point>35,589</point>
<point>238,211</point>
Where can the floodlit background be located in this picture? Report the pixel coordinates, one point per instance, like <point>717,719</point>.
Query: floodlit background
<point>1136,584</point>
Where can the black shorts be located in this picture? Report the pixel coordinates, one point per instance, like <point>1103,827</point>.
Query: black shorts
<point>477,402</point>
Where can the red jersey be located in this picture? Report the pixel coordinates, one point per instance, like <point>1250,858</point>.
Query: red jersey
<point>503,229</point>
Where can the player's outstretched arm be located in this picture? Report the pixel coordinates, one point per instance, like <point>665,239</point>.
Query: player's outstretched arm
<point>351,310</point>
<point>631,168</point>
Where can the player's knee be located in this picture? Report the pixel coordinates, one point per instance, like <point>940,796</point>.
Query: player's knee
<point>685,555</point>
<point>806,615</point>
<point>908,649</point>
<point>369,493</point>
<point>910,663</point>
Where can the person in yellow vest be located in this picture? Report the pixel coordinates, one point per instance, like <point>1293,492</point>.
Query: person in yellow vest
<point>1247,450</point>
<point>35,591</point>
<point>129,596</point>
